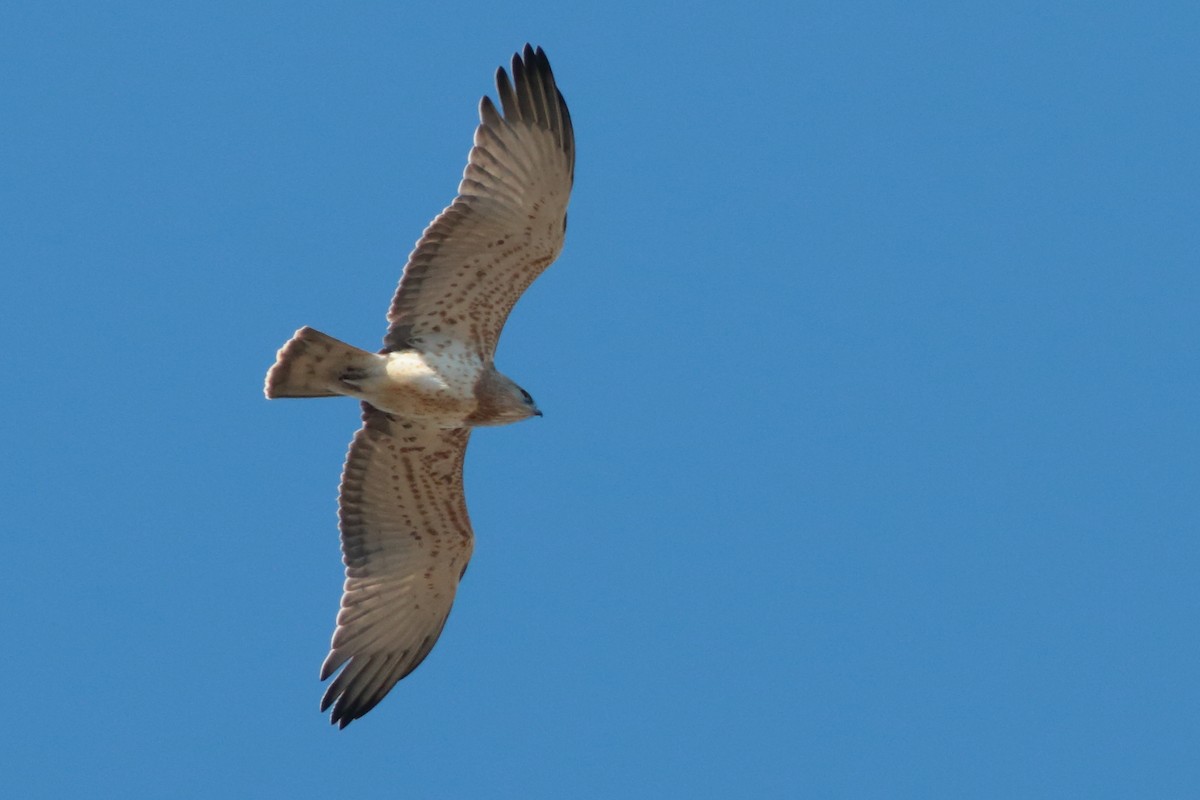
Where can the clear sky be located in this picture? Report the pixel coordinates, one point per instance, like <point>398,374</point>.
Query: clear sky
<point>870,371</point>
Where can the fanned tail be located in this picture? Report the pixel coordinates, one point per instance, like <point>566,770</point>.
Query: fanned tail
<point>313,364</point>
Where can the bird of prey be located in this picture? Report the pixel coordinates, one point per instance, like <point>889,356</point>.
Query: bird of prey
<point>405,534</point>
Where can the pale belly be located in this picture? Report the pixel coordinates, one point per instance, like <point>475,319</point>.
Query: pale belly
<point>422,386</point>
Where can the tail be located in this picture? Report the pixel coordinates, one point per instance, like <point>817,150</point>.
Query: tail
<point>312,364</point>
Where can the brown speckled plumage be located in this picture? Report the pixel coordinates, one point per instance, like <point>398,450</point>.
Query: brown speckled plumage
<point>406,538</point>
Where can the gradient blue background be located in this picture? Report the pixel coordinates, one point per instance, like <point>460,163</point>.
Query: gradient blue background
<point>870,369</point>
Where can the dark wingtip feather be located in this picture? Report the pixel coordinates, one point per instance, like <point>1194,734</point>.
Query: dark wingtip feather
<point>327,700</point>
<point>488,114</point>
<point>330,664</point>
<point>504,91</point>
<point>531,95</point>
<point>521,80</point>
<point>344,711</point>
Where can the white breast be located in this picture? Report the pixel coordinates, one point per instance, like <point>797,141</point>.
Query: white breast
<point>437,386</point>
<point>411,369</point>
<point>446,364</point>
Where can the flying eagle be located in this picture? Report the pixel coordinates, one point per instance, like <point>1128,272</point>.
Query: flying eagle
<point>406,538</point>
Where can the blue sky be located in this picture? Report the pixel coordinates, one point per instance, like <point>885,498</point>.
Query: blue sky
<point>870,370</point>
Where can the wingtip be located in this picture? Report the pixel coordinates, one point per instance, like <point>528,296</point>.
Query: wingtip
<point>488,114</point>
<point>344,711</point>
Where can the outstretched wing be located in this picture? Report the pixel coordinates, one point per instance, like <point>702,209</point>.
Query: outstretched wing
<point>505,227</point>
<point>406,541</point>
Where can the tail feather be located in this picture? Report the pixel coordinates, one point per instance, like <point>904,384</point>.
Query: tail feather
<point>313,364</point>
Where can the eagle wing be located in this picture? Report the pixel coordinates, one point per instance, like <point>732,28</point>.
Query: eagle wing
<point>506,226</point>
<point>406,540</point>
